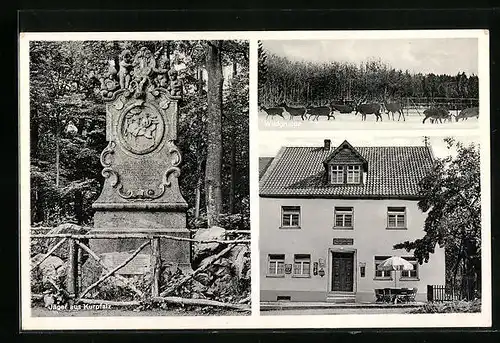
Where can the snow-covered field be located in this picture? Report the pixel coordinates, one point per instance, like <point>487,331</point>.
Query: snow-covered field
<point>350,121</point>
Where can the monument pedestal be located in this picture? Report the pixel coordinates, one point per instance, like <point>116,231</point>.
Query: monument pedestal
<point>141,163</point>
<point>173,252</point>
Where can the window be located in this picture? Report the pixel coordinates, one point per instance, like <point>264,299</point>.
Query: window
<point>382,274</point>
<point>343,217</point>
<point>302,265</point>
<point>396,217</point>
<point>276,265</point>
<point>337,174</point>
<point>410,274</point>
<point>290,216</point>
<point>353,174</point>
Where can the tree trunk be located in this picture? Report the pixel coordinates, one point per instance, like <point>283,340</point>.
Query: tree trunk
<point>232,180</point>
<point>57,150</point>
<point>200,82</point>
<point>213,166</point>
<point>35,134</point>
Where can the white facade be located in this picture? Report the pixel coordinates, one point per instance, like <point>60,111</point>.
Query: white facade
<point>369,237</point>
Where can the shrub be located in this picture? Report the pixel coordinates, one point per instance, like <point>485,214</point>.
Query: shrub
<point>450,307</point>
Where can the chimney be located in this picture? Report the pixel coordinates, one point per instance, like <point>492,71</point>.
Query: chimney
<point>327,144</point>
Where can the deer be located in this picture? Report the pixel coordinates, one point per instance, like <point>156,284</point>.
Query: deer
<point>318,111</point>
<point>394,107</point>
<point>368,108</point>
<point>468,113</point>
<point>436,113</point>
<point>341,108</point>
<point>272,111</point>
<point>294,111</point>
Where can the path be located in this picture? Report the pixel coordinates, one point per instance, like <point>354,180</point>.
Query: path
<point>332,311</point>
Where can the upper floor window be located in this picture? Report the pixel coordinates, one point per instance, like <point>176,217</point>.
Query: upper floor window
<point>302,265</point>
<point>336,174</point>
<point>342,174</point>
<point>353,174</point>
<point>396,217</point>
<point>290,216</point>
<point>413,273</point>
<point>276,265</point>
<point>343,217</point>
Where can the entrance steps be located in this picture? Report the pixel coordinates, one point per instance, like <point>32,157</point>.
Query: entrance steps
<point>341,298</point>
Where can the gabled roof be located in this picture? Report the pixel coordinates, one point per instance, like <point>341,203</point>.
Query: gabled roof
<point>264,163</point>
<point>345,152</point>
<point>392,172</point>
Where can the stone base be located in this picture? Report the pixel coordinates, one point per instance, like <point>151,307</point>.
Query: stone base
<point>117,223</point>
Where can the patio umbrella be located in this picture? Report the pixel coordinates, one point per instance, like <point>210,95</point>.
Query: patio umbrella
<point>395,263</point>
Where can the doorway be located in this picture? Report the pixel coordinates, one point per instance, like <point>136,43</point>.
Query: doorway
<point>342,271</point>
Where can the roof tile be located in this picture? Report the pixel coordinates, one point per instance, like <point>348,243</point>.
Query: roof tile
<point>392,171</point>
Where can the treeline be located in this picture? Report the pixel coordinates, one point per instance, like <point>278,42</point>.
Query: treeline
<point>67,131</point>
<point>302,83</point>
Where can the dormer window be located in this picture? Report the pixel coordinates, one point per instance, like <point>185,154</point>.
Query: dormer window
<point>341,174</point>
<point>353,174</point>
<point>345,166</point>
<point>337,174</point>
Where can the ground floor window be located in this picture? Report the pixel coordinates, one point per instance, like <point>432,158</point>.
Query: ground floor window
<point>382,274</point>
<point>276,265</point>
<point>302,265</point>
<point>410,274</point>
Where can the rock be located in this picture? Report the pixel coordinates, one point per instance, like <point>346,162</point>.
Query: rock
<point>203,250</point>
<point>214,232</point>
<point>62,251</point>
<point>48,299</point>
<point>52,268</point>
<point>203,278</point>
<point>240,257</point>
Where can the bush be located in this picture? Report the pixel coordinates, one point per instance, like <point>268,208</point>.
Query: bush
<point>450,307</point>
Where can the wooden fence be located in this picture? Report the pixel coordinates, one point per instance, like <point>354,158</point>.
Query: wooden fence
<point>76,244</point>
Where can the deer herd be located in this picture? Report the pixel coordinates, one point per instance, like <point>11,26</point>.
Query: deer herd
<point>434,113</point>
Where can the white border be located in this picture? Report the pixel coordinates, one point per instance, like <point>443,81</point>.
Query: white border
<point>482,319</point>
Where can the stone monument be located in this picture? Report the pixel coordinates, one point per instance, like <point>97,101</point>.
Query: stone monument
<point>141,161</point>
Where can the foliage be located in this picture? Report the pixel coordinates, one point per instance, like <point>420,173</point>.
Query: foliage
<point>64,93</point>
<point>300,82</point>
<point>450,307</point>
<point>451,196</point>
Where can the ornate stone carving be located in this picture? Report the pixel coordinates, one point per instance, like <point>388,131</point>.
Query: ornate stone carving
<point>161,70</point>
<point>141,162</point>
<point>141,129</point>
<point>109,81</point>
<point>176,86</point>
<point>140,73</point>
<point>125,68</point>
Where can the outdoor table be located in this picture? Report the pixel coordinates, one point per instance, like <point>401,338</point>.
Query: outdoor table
<point>391,295</point>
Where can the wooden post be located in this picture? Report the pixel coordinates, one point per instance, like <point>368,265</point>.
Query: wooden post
<point>430,293</point>
<point>72,276</point>
<point>155,266</point>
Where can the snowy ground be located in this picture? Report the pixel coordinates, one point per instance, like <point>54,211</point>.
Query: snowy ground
<point>350,121</point>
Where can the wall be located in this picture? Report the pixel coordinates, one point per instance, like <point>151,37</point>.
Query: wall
<point>371,238</point>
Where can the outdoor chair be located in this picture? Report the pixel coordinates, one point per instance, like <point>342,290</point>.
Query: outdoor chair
<point>411,294</point>
<point>379,295</point>
<point>387,295</point>
<point>403,295</point>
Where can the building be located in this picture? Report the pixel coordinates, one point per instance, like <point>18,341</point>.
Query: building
<point>330,215</point>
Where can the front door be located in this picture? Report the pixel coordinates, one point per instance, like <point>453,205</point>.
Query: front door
<point>342,272</point>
